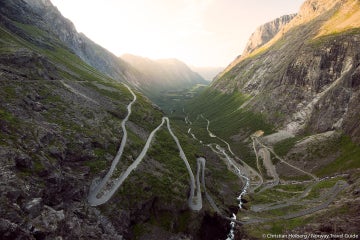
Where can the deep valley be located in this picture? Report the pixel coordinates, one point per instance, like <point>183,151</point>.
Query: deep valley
<point>95,146</point>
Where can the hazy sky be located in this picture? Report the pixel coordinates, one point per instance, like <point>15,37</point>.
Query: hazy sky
<point>198,32</point>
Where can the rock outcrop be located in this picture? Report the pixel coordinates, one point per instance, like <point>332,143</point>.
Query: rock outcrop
<point>265,33</point>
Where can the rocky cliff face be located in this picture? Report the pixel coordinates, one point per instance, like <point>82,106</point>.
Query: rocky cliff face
<point>302,89</point>
<point>307,77</point>
<point>266,32</point>
<point>59,127</point>
<point>260,37</point>
<point>47,17</point>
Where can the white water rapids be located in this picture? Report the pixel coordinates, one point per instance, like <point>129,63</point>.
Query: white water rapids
<point>221,151</point>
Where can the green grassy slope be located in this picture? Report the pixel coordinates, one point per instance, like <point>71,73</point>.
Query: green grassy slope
<point>228,120</point>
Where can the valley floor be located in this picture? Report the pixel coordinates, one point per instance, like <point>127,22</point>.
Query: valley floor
<point>271,198</point>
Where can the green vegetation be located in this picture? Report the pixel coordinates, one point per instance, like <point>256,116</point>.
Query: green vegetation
<point>321,186</point>
<point>6,116</point>
<point>330,37</point>
<point>227,120</point>
<point>32,30</point>
<point>283,147</point>
<point>278,193</point>
<point>285,211</point>
<point>100,162</point>
<point>139,229</point>
<point>212,103</point>
<point>348,158</point>
<point>276,226</point>
<point>38,166</point>
<point>172,102</point>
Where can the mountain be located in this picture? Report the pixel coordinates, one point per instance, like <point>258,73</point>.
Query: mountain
<point>46,17</point>
<point>274,139</point>
<point>208,73</point>
<point>294,95</point>
<point>261,36</point>
<point>62,108</point>
<point>170,73</point>
<point>60,125</point>
<point>266,32</point>
<point>166,82</point>
<point>310,68</point>
<point>164,74</point>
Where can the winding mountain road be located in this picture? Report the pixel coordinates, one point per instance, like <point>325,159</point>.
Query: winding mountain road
<point>101,191</point>
<point>246,169</point>
<point>235,167</point>
<point>331,195</point>
<point>285,162</point>
<point>265,153</point>
<point>96,187</point>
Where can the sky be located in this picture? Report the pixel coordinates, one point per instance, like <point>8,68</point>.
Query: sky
<point>199,32</point>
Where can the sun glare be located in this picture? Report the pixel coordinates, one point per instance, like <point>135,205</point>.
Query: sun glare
<point>198,32</point>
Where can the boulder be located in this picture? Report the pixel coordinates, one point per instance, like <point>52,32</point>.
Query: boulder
<point>33,207</point>
<point>23,161</point>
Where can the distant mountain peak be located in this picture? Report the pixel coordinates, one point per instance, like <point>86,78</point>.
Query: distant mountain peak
<point>313,8</point>
<point>163,74</point>
<point>262,35</point>
<point>266,32</point>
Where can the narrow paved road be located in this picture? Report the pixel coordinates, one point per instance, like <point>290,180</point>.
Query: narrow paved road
<point>265,154</point>
<point>105,191</point>
<point>270,168</point>
<point>246,169</point>
<point>285,162</point>
<point>201,165</point>
<point>96,187</point>
<point>338,187</point>
<point>236,168</point>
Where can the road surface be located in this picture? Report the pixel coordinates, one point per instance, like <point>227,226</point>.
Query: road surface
<point>101,191</point>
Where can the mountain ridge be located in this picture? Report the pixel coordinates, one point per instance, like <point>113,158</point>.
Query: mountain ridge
<point>47,17</point>
<point>293,103</point>
<point>61,124</point>
<point>265,33</point>
<point>163,75</point>
<point>289,69</point>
